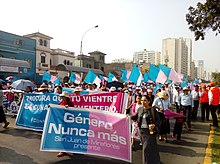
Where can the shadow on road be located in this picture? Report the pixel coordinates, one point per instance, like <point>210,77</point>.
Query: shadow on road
<point>179,151</point>
<point>13,157</point>
<point>85,159</point>
<point>22,133</point>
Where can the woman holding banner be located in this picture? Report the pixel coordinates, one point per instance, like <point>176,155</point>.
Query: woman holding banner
<point>67,103</point>
<point>135,106</point>
<point>148,119</point>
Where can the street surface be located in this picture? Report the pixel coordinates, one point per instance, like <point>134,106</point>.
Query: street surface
<point>20,146</point>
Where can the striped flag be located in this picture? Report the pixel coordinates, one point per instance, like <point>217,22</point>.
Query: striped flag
<point>91,77</point>
<point>136,76</point>
<point>75,78</point>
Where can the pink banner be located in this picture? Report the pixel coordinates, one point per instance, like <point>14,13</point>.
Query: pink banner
<point>89,132</point>
<point>107,101</point>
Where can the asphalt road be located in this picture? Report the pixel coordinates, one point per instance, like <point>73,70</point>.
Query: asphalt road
<point>21,146</point>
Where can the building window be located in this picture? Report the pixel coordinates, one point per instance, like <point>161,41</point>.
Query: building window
<point>41,42</point>
<point>71,63</point>
<point>68,62</point>
<point>64,62</point>
<point>43,59</point>
<point>102,69</point>
<point>45,43</point>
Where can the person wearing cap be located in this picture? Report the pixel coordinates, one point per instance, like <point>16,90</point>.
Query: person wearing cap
<point>162,103</point>
<point>136,93</point>
<point>66,85</point>
<point>204,103</point>
<point>77,91</point>
<point>143,90</point>
<point>58,89</point>
<point>67,103</point>
<point>195,96</point>
<point>186,103</point>
<point>214,95</point>
<point>43,88</point>
<point>112,89</point>
<point>90,87</point>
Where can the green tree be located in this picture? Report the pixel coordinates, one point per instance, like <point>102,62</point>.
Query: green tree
<point>204,17</point>
<point>216,77</point>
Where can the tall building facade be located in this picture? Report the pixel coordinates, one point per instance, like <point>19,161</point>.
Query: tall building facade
<point>177,54</point>
<point>145,56</point>
<point>200,70</point>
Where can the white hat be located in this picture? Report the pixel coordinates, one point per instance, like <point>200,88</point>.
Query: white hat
<point>149,90</point>
<point>77,89</point>
<point>163,95</point>
<point>185,88</point>
<point>112,89</point>
<point>65,94</point>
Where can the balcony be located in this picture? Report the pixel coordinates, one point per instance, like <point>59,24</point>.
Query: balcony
<point>43,65</point>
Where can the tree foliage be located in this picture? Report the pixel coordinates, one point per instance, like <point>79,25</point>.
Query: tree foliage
<point>216,77</point>
<point>204,17</point>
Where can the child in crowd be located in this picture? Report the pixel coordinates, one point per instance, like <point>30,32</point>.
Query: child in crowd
<point>178,126</point>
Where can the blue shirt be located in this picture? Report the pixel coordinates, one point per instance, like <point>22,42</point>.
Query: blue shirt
<point>186,100</point>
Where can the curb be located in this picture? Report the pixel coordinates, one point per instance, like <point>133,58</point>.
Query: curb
<point>208,156</point>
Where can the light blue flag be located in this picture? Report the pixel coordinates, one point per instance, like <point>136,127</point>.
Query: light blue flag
<point>72,77</point>
<point>46,76</point>
<point>125,75</point>
<point>146,78</point>
<point>165,69</point>
<point>185,78</point>
<point>184,84</point>
<point>91,77</point>
<point>111,77</point>
<point>136,76</point>
<point>153,72</point>
<point>57,81</point>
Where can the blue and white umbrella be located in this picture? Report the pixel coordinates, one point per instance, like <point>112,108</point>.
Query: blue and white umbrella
<point>22,84</point>
<point>2,81</point>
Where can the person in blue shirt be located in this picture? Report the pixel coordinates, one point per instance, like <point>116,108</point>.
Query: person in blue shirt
<point>186,104</point>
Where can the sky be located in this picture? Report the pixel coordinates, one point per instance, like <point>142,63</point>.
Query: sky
<point>124,26</point>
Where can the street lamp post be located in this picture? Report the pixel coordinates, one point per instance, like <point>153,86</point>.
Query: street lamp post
<point>83,37</point>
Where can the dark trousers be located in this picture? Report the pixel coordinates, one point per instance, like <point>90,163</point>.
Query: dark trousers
<point>213,109</point>
<point>177,130</point>
<point>150,152</point>
<point>177,107</point>
<point>187,111</point>
<point>204,111</point>
<point>195,109</point>
<point>2,115</point>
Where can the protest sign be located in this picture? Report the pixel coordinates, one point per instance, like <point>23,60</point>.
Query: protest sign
<point>84,131</point>
<point>107,101</point>
<point>33,110</point>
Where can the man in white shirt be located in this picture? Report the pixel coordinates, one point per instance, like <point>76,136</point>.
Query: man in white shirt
<point>195,96</point>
